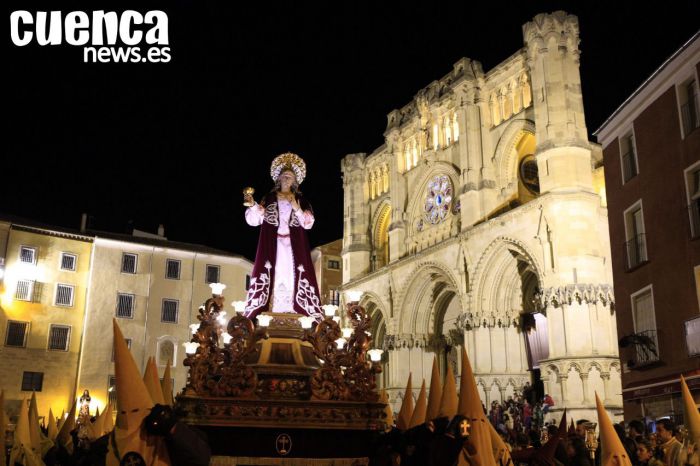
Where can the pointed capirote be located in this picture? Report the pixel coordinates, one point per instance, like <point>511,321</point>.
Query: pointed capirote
<point>34,427</point>
<point>152,382</point>
<point>692,417</point>
<point>52,428</point>
<point>59,421</point>
<point>545,454</point>
<point>3,427</point>
<point>109,421</point>
<point>167,386</point>
<point>471,408</point>
<point>133,399</point>
<point>418,417</point>
<point>64,438</point>
<point>501,452</point>
<point>572,428</point>
<point>612,453</point>
<point>97,412</point>
<point>435,395</point>
<point>22,436</point>
<point>96,428</point>
<point>406,410</point>
<point>388,412</point>
<point>134,403</point>
<point>448,400</point>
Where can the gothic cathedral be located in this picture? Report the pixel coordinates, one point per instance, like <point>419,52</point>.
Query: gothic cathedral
<point>481,222</point>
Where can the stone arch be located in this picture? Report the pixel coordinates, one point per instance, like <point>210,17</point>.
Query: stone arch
<point>575,366</point>
<point>380,235</point>
<point>420,295</point>
<point>504,156</point>
<point>489,275</point>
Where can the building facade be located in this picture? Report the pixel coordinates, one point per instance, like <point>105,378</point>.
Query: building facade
<point>481,222</point>
<point>327,262</point>
<point>651,151</point>
<point>44,291</point>
<point>152,286</point>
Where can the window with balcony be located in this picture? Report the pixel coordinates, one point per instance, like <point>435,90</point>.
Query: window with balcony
<point>628,158</point>
<point>647,344</point>
<point>636,241</point>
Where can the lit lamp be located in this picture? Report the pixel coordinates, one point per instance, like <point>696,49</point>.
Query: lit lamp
<point>264,321</point>
<point>190,347</point>
<point>329,309</point>
<point>239,306</point>
<point>353,296</point>
<point>347,332</point>
<point>375,355</point>
<point>194,328</point>
<point>306,321</point>
<point>227,338</point>
<point>591,440</point>
<point>340,342</point>
<point>217,288</point>
<point>222,318</point>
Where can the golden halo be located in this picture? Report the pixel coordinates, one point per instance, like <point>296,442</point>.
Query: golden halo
<point>290,161</point>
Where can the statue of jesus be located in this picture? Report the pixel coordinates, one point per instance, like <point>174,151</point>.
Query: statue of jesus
<point>283,277</point>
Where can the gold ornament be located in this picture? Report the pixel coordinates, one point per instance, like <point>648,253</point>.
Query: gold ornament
<point>289,161</point>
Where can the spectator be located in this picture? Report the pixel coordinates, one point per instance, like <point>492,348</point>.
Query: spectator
<point>668,444</point>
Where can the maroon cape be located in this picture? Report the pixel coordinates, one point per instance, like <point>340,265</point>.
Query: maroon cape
<point>306,297</point>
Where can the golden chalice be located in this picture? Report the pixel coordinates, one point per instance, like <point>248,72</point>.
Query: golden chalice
<point>248,197</point>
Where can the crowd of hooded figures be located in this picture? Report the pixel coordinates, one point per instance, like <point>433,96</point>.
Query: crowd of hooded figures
<point>146,431</point>
<point>444,430</point>
<point>439,429</point>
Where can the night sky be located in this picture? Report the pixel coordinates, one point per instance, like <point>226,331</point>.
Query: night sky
<point>142,144</point>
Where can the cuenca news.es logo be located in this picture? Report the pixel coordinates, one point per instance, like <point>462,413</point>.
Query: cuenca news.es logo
<point>101,30</point>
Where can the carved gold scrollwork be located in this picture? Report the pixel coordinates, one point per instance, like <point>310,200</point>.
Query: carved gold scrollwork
<point>220,370</point>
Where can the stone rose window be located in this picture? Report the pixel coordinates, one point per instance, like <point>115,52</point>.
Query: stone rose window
<point>438,199</point>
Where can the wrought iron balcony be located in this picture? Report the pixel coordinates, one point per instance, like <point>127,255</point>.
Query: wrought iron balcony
<point>636,251</point>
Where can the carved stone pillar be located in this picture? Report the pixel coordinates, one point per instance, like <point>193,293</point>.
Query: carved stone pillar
<point>586,391</point>
<point>606,386</point>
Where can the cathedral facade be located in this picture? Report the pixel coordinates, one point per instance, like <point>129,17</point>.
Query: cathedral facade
<point>481,222</point>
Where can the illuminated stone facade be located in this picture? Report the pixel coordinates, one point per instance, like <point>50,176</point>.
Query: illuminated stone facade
<point>482,216</point>
<point>151,285</point>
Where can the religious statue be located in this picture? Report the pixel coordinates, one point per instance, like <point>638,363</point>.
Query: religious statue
<point>283,278</point>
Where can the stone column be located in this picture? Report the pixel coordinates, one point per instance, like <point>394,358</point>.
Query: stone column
<point>586,390</point>
<point>606,386</point>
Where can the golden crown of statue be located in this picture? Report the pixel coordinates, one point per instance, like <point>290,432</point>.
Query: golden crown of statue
<point>288,161</point>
